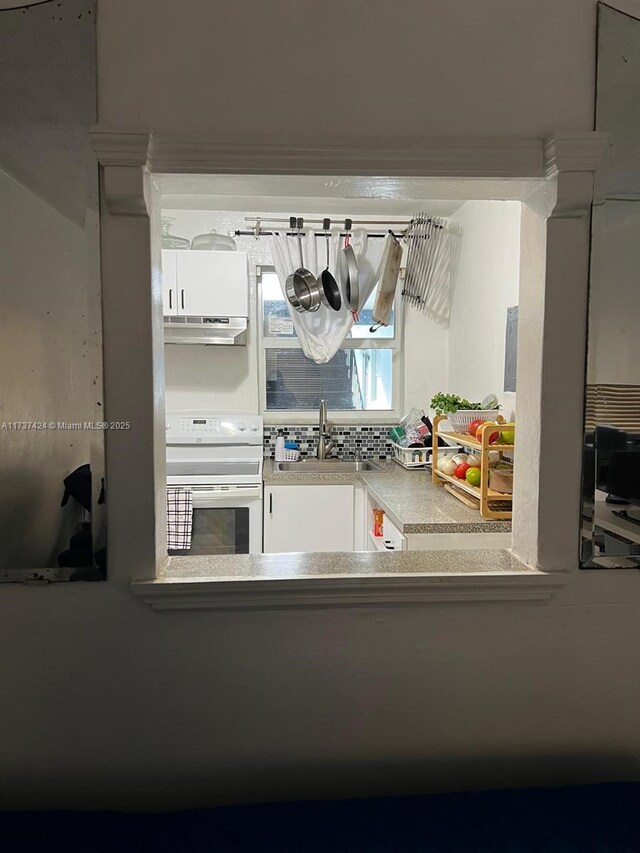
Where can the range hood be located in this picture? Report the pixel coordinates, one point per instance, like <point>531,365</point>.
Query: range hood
<point>207,331</point>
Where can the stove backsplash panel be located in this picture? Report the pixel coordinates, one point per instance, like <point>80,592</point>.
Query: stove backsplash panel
<point>368,442</point>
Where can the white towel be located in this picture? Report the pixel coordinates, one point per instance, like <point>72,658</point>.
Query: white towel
<point>179,519</point>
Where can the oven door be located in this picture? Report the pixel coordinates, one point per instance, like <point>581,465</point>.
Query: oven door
<point>226,520</point>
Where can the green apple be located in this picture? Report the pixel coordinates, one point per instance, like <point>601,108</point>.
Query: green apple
<point>473,476</point>
<point>507,436</point>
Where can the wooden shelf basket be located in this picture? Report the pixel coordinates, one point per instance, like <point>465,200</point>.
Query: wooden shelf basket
<point>492,504</point>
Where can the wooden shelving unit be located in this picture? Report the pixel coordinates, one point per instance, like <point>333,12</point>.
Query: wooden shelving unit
<point>491,504</point>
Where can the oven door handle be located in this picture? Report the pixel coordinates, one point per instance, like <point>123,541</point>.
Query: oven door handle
<point>203,495</point>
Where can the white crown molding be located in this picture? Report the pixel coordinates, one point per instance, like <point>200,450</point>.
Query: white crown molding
<point>463,157</point>
<point>481,157</point>
<point>363,591</point>
<point>572,159</point>
<point>120,146</point>
<point>473,157</point>
<point>574,152</point>
<point>123,154</point>
<point>563,155</point>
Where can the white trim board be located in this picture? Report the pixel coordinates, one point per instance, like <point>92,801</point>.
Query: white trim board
<point>344,591</point>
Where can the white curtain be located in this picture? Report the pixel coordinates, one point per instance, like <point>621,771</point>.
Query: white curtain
<point>322,332</point>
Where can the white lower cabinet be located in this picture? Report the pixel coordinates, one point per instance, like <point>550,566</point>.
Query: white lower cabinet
<point>394,539</point>
<point>308,518</point>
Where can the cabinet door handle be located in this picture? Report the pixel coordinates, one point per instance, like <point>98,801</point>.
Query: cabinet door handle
<point>270,503</point>
<point>170,300</point>
<point>182,299</point>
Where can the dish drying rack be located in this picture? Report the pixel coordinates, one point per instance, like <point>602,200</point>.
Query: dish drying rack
<point>406,456</point>
<point>410,457</point>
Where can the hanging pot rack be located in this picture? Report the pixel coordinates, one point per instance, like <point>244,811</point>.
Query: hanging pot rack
<point>296,226</point>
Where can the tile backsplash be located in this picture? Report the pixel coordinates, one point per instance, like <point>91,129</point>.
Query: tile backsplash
<point>370,442</point>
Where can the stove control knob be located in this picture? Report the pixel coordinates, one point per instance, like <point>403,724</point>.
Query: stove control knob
<point>242,426</point>
<point>255,427</point>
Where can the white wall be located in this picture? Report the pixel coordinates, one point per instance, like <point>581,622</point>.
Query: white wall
<point>108,704</point>
<point>219,377</point>
<point>426,358</point>
<point>111,705</point>
<point>415,69</point>
<point>48,100</point>
<point>487,284</point>
<point>46,350</point>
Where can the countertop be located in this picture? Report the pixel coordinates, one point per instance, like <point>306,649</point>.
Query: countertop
<point>414,504</point>
<point>357,564</point>
<point>300,581</point>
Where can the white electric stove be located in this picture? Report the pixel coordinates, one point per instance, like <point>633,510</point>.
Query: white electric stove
<point>219,457</point>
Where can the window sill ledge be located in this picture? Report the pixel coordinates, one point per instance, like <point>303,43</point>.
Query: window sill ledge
<point>290,581</point>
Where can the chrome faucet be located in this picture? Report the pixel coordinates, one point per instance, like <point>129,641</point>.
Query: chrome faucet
<point>325,443</point>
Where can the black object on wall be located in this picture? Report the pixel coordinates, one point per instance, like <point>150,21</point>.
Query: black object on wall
<point>511,349</point>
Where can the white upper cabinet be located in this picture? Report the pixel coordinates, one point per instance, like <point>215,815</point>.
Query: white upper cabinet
<point>169,283</point>
<point>205,283</point>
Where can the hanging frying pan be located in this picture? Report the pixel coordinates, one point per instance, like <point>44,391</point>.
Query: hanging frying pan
<point>330,292</point>
<point>349,273</point>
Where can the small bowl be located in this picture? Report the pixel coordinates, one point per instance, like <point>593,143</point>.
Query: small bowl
<point>501,481</point>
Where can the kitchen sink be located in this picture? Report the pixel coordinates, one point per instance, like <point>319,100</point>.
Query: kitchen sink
<point>329,466</point>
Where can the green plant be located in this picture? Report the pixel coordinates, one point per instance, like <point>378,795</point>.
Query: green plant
<point>442,403</point>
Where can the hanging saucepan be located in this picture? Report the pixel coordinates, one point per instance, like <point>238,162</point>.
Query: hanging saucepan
<point>349,272</point>
<point>302,287</point>
<point>330,291</point>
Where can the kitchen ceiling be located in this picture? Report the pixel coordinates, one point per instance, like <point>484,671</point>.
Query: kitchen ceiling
<point>301,205</point>
<point>351,195</point>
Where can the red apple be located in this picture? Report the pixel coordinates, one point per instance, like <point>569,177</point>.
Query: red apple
<point>461,470</point>
<point>492,438</point>
<point>473,426</point>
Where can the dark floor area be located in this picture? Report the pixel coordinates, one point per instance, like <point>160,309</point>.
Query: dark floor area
<point>585,819</point>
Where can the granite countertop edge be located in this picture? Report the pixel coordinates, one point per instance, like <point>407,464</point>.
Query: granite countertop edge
<point>354,566</point>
